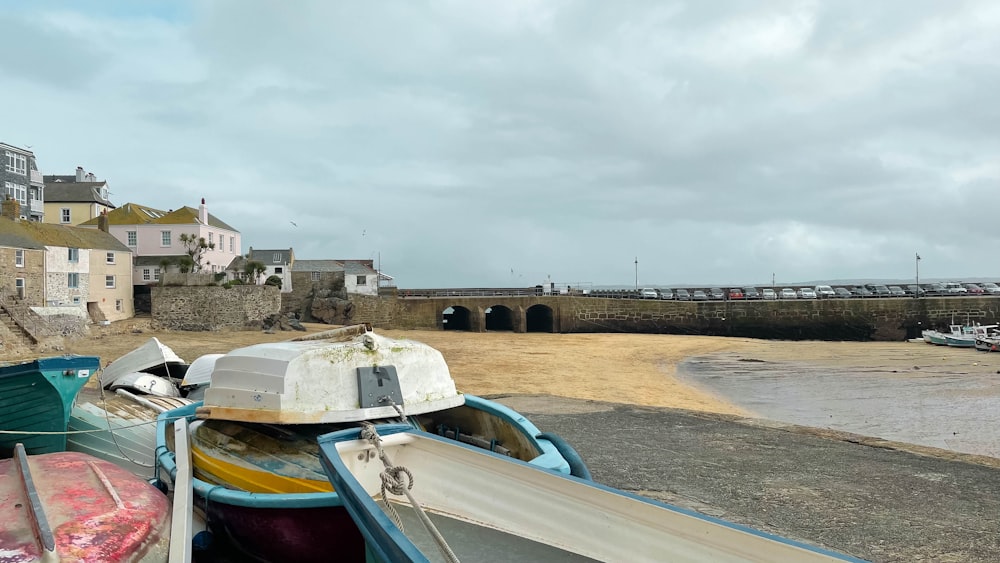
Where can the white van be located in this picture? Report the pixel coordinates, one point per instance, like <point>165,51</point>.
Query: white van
<point>825,292</point>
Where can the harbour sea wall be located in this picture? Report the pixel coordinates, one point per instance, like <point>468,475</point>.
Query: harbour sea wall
<point>820,319</point>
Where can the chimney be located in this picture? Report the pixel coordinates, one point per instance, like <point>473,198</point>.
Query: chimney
<point>79,173</point>
<point>203,213</point>
<point>102,221</point>
<point>90,177</point>
<point>11,208</point>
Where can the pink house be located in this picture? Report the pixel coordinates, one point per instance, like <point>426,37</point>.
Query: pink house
<point>155,238</point>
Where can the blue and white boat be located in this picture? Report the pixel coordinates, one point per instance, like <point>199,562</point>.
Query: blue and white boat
<point>417,497</point>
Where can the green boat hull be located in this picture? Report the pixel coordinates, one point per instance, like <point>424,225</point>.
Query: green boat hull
<point>37,396</point>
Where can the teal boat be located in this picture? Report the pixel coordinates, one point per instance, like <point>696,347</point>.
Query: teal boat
<point>37,396</point>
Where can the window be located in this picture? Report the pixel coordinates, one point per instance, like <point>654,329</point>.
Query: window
<point>76,300</point>
<point>64,215</point>
<point>156,274</point>
<point>315,276</point>
<point>222,241</point>
<point>19,258</point>
<point>73,280</point>
<point>74,254</point>
<point>164,238</point>
<point>132,238</point>
<point>278,270</point>
<point>276,258</point>
<point>17,191</point>
<point>110,258</point>
<point>19,287</point>
<point>145,274</point>
<point>119,305</point>
<point>17,163</point>
<point>231,243</point>
<point>211,238</point>
<point>362,280</point>
<point>109,282</point>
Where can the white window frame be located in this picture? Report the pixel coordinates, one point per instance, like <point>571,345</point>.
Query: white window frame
<point>276,258</point>
<point>146,275</point>
<point>109,282</point>
<point>222,242</point>
<point>315,276</point>
<point>110,258</point>
<point>165,238</point>
<point>132,237</point>
<point>119,305</point>
<point>211,237</point>
<point>17,191</point>
<point>19,288</point>
<point>19,258</point>
<point>65,215</point>
<point>73,280</point>
<point>231,243</point>
<point>156,274</point>
<point>73,254</point>
<point>17,163</point>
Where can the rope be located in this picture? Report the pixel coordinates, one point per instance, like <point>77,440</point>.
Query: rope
<point>392,482</point>
<point>67,432</point>
<point>114,439</point>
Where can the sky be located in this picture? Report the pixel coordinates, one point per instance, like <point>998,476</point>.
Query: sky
<point>504,144</point>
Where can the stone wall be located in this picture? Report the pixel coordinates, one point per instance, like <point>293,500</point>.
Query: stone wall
<point>32,272</point>
<point>240,307</point>
<point>305,289</point>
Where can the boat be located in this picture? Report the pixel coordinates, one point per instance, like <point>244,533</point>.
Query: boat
<point>417,497</point>
<point>36,396</point>
<point>965,336</point>
<point>258,477</point>
<point>153,357</point>
<point>68,506</point>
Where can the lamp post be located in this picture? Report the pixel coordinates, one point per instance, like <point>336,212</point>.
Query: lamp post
<point>637,273</point>
<point>917,262</point>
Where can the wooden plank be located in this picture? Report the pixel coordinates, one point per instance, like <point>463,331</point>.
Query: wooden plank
<point>181,523</point>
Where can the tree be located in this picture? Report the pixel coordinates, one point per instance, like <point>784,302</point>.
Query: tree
<point>253,270</point>
<point>195,247</point>
<point>273,280</point>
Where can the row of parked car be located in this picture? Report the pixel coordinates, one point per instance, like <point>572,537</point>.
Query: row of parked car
<point>822,292</point>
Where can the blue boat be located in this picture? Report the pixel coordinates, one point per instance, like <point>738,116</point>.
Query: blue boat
<point>259,477</point>
<point>37,396</point>
<point>417,497</point>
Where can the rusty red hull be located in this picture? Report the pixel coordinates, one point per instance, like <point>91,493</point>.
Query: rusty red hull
<point>93,511</point>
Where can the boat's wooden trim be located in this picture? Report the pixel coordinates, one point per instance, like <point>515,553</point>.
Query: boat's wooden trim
<point>181,524</point>
<point>36,512</point>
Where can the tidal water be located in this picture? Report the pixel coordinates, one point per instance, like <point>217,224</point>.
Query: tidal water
<point>954,411</point>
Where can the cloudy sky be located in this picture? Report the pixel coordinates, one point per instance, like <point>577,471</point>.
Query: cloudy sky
<point>468,144</point>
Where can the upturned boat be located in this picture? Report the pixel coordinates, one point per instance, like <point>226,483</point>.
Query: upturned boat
<point>417,497</point>
<point>256,468</point>
<point>36,396</point>
<point>69,506</point>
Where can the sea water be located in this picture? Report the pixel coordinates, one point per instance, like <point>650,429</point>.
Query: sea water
<point>950,410</point>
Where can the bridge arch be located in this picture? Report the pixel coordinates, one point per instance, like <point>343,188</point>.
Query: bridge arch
<point>499,317</point>
<point>539,318</point>
<point>456,318</point>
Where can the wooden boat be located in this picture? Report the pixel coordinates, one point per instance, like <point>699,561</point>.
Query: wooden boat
<point>68,506</point>
<point>37,396</point>
<point>934,337</point>
<point>152,357</point>
<point>261,484</point>
<point>485,507</point>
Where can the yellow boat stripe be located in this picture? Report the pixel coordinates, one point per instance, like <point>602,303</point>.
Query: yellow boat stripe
<point>254,481</point>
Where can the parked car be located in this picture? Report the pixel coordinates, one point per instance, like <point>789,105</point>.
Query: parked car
<point>735,293</point>
<point>699,295</point>
<point>896,291</point>
<point>824,292</point>
<point>936,289</point>
<point>666,294</point>
<point>768,293</point>
<point>682,294</point>
<point>716,294</point>
<point>914,290</point>
<point>648,293</point>
<point>974,289</point>
<point>879,290</point>
<point>955,288</point>
<point>842,292</point>
<point>751,293</point>
<point>862,291</point>
<point>991,288</point>
<point>787,293</point>
<point>806,293</point>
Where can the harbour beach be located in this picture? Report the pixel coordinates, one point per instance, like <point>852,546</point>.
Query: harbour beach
<point>645,415</point>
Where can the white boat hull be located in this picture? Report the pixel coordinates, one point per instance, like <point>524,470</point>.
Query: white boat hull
<point>572,515</point>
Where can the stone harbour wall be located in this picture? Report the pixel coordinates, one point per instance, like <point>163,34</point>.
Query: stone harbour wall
<point>240,307</point>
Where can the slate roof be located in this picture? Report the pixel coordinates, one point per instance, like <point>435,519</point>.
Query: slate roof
<point>236,265</point>
<point>267,256</point>
<point>76,192</point>
<point>41,235</point>
<point>357,268</point>
<point>135,214</point>
<point>317,266</point>
<point>155,260</point>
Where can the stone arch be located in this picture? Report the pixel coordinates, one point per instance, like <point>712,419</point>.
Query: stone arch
<point>457,318</point>
<point>499,317</point>
<point>539,318</point>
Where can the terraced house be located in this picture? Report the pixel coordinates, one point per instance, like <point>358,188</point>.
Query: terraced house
<point>21,180</point>
<point>46,266</point>
<point>71,200</point>
<point>154,237</point>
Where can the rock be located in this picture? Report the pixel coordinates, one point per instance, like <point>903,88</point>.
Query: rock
<point>332,310</point>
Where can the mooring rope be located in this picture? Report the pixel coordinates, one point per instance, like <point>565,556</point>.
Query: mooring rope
<point>392,482</point>
<point>94,431</point>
